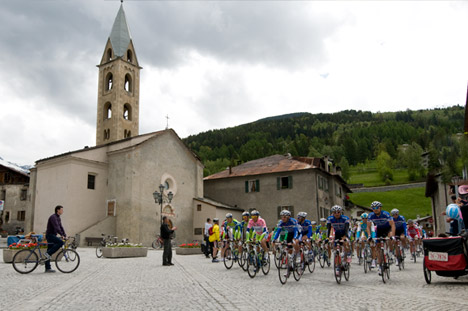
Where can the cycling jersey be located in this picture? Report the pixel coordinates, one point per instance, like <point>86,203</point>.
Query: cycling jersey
<point>242,231</point>
<point>400,225</point>
<point>340,225</point>
<point>305,228</point>
<point>259,228</point>
<point>322,232</point>
<point>413,232</point>
<point>234,225</point>
<point>362,230</point>
<point>381,221</point>
<point>289,226</point>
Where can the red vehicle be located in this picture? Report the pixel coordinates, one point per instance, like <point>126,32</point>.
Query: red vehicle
<point>445,256</point>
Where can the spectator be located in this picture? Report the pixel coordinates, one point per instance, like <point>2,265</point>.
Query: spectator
<point>166,233</point>
<point>208,248</point>
<point>453,226</point>
<point>214,238</point>
<point>54,227</point>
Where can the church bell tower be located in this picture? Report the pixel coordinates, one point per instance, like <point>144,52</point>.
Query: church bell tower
<point>119,86</point>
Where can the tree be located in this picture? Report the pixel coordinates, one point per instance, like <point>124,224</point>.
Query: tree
<point>385,167</point>
<point>344,168</point>
<point>410,158</point>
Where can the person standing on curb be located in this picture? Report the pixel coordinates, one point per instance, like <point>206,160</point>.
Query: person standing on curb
<point>166,236</point>
<point>214,238</point>
<point>208,248</point>
<point>54,227</point>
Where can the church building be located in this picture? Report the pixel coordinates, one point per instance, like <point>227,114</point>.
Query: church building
<point>109,188</point>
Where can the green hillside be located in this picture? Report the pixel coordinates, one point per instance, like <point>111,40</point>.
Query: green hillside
<point>410,202</point>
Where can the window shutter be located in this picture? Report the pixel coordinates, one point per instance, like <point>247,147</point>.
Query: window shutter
<point>278,183</point>
<point>246,186</point>
<point>290,182</point>
<point>257,185</point>
<point>279,211</point>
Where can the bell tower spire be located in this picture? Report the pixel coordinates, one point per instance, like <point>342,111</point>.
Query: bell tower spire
<point>119,86</point>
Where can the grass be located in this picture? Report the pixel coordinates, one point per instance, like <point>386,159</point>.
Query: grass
<point>367,175</point>
<point>410,202</point>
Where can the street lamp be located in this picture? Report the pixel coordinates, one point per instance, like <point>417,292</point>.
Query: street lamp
<point>160,198</point>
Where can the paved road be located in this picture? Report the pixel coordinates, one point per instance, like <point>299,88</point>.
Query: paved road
<point>195,283</point>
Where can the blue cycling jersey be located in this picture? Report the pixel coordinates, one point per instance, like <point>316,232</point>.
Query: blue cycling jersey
<point>340,225</point>
<point>400,223</point>
<point>381,221</point>
<point>290,226</point>
<point>305,228</point>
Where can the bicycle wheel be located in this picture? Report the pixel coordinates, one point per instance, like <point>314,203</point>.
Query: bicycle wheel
<point>252,264</point>
<point>298,265</point>
<point>283,268</point>
<point>427,274</point>
<point>310,261</point>
<point>245,259</point>
<point>25,261</point>
<point>67,260</point>
<point>337,268</point>
<point>414,257</point>
<point>266,263</point>
<point>346,269</point>
<point>99,251</point>
<point>383,267</point>
<point>240,258</point>
<point>321,258</point>
<point>365,262</point>
<point>228,258</point>
<point>277,256</point>
<point>157,244</point>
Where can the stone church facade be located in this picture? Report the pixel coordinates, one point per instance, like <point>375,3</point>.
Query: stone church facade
<point>109,188</point>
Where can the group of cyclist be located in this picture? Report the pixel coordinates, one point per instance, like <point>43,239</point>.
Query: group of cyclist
<point>337,227</point>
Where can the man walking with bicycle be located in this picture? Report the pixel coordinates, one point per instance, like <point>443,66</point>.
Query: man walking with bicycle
<point>54,227</point>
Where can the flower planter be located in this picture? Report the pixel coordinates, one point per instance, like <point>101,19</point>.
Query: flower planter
<point>8,254</point>
<point>188,251</point>
<point>123,252</point>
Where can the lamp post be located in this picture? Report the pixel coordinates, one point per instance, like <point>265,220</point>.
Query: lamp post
<point>160,198</point>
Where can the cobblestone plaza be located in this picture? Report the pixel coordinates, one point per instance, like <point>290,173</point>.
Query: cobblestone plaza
<point>195,283</point>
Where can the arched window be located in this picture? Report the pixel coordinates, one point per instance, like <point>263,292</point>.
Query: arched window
<point>127,112</point>
<point>127,133</point>
<point>109,54</point>
<point>129,56</point>
<point>107,111</point>
<point>128,83</point>
<point>106,134</point>
<point>109,81</point>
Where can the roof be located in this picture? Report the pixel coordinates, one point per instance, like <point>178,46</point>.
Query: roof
<point>120,34</point>
<point>272,164</point>
<point>14,167</point>
<point>218,204</point>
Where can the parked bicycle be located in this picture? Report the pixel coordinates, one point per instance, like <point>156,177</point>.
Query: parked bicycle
<point>25,261</point>
<point>103,243</point>
<point>158,243</point>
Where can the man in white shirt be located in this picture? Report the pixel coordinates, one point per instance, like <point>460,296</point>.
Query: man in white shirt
<point>208,249</point>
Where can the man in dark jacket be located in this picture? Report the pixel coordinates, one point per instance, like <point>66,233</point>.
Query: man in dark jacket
<point>54,227</point>
<point>166,236</point>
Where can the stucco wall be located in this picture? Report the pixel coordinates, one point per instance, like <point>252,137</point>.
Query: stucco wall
<point>136,173</point>
<point>64,182</point>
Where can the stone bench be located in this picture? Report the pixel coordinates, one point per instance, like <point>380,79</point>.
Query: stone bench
<point>91,240</point>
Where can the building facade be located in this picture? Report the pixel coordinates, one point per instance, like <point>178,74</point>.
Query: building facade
<point>14,199</point>
<point>279,182</point>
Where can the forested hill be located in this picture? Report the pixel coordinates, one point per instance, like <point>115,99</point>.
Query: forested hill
<point>356,136</point>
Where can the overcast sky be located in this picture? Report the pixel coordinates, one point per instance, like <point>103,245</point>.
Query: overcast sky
<point>217,64</point>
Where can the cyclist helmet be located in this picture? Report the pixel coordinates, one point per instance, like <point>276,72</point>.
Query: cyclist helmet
<point>302,214</point>
<point>313,222</point>
<point>215,219</point>
<point>285,213</point>
<point>336,208</point>
<point>394,212</point>
<point>376,205</point>
<point>364,216</point>
<point>228,215</point>
<point>323,220</point>
<point>246,214</point>
<point>255,213</point>
<point>410,221</point>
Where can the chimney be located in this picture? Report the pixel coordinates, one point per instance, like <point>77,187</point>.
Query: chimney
<point>230,169</point>
<point>325,159</point>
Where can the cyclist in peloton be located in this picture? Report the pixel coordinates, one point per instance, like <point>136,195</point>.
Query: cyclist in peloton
<point>289,225</point>
<point>241,233</point>
<point>400,227</point>
<point>230,227</point>
<point>364,232</point>
<point>305,229</point>
<point>340,225</point>
<point>257,228</point>
<point>385,227</point>
<point>322,236</point>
